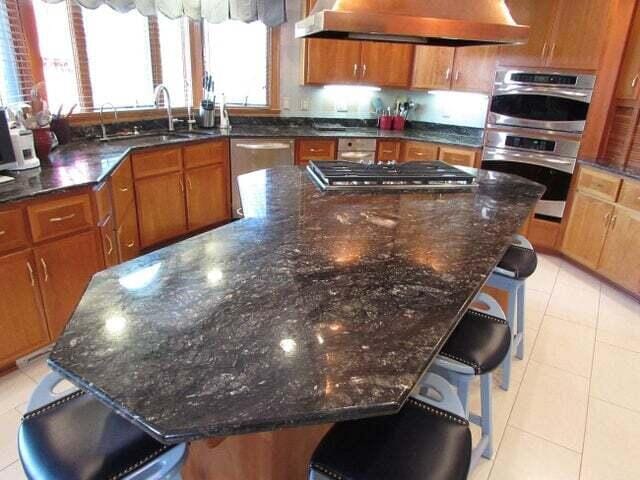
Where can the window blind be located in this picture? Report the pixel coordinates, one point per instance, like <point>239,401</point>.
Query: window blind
<point>15,74</point>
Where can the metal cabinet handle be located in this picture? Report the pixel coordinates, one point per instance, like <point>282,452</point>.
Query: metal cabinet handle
<point>108,239</point>
<point>131,244</point>
<point>387,151</point>
<point>364,70</point>
<point>46,270</point>
<point>607,217</point>
<point>355,70</point>
<point>189,185</point>
<point>181,186</point>
<point>123,189</point>
<point>447,74</point>
<point>315,150</point>
<point>62,219</point>
<point>552,51</point>
<point>613,222</point>
<point>2,232</point>
<point>240,212</point>
<point>33,280</point>
<point>634,82</point>
<point>544,50</point>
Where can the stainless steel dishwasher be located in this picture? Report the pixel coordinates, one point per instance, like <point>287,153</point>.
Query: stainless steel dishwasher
<point>251,154</point>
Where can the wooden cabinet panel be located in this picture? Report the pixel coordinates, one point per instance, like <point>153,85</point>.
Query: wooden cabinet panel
<point>599,184</point>
<point>13,231</point>
<point>207,196</point>
<point>386,64</point>
<point>474,68</point>
<point>127,236</point>
<point>540,16</point>
<point>623,125</point>
<point>122,190</point>
<point>388,150</point>
<point>586,230</point>
<point>630,194</point>
<point>332,61</point>
<point>620,260</point>
<point>102,198</point>
<point>432,67</point>
<point>458,156</point>
<point>311,149</point>
<point>64,269</point>
<point>109,244</point>
<point>628,79</point>
<point>53,218</point>
<point>160,203</point>
<point>419,151</point>
<point>156,162</point>
<point>208,153</point>
<point>579,33</point>
<point>22,322</point>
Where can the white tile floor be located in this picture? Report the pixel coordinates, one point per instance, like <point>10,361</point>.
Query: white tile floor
<point>573,410</point>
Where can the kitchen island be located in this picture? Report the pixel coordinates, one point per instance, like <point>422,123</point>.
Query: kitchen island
<point>317,307</point>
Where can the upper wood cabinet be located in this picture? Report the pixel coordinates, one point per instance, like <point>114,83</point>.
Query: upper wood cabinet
<point>446,68</point>
<point>432,67</point>
<point>22,321</point>
<point>627,87</point>
<point>563,34</point>
<point>386,64</point>
<point>208,199</point>
<point>64,270</point>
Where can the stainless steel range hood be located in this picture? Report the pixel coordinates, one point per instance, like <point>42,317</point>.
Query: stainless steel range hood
<point>453,23</point>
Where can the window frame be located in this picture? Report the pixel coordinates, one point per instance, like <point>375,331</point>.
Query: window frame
<point>29,27</point>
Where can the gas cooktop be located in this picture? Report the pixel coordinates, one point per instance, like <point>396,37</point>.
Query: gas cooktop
<point>409,175</point>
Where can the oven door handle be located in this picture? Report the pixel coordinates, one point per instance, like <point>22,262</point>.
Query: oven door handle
<point>492,155</point>
<point>579,95</point>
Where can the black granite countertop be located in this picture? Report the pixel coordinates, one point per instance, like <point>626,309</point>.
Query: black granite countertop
<point>89,162</point>
<point>634,174</point>
<point>317,307</point>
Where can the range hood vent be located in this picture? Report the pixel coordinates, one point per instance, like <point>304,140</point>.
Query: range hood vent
<point>453,23</point>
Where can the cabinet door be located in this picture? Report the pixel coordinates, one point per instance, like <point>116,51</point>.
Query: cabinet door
<point>458,156</point>
<point>627,87</point>
<point>620,260</point>
<point>308,149</point>
<point>207,195</point>
<point>540,16</point>
<point>579,33</point>
<point>332,61</point>
<point>21,317</point>
<point>64,269</point>
<point>588,222</point>
<point>388,150</point>
<point>161,208</point>
<point>432,67</point>
<point>419,151</point>
<point>108,237</point>
<point>474,69</point>
<point>386,64</point>
<point>127,236</point>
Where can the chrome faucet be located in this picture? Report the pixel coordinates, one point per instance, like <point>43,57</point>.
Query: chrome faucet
<point>115,114</point>
<point>167,98</point>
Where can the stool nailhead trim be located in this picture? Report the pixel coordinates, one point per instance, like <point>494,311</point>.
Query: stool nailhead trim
<point>437,411</point>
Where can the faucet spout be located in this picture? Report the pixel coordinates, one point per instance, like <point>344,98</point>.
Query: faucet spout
<point>167,100</point>
<point>102,125</point>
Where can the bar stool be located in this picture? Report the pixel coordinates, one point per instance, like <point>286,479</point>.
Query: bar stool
<point>517,264</point>
<point>477,346</point>
<point>72,435</point>
<point>428,438</point>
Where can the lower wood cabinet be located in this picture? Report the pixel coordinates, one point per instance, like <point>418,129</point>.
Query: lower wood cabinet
<point>109,243</point>
<point>127,236</point>
<point>160,203</point>
<point>421,151</point>
<point>388,150</point>
<point>64,270</point>
<point>463,157</point>
<point>207,195</point>
<point>22,320</point>
<point>620,259</point>
<point>587,228</point>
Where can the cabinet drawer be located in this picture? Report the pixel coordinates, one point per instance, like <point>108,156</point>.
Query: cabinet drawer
<point>388,150</point>
<point>122,190</point>
<point>316,149</point>
<point>458,156</point>
<point>599,184</point>
<point>156,162</point>
<point>54,218</point>
<point>13,232</point>
<point>202,154</point>
<point>630,194</point>
<point>419,151</point>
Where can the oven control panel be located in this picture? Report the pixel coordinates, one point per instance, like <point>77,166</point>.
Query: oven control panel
<point>537,144</point>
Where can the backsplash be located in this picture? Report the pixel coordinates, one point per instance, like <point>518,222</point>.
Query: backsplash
<point>449,108</point>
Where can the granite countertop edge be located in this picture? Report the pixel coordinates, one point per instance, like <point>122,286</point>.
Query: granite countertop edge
<point>635,175</point>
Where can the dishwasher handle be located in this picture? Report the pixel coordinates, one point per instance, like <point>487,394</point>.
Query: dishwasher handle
<point>264,146</point>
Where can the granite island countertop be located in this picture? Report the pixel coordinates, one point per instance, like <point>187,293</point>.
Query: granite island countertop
<point>317,307</point>
<point>89,162</point>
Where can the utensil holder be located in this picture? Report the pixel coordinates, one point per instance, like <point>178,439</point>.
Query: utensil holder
<point>386,122</point>
<point>207,114</point>
<point>399,122</point>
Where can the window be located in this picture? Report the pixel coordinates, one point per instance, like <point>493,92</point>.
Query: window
<point>175,54</point>
<point>14,66</point>
<point>235,54</point>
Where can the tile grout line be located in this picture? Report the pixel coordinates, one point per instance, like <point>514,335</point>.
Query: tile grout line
<point>626,349</point>
<point>564,447</point>
<point>593,361</point>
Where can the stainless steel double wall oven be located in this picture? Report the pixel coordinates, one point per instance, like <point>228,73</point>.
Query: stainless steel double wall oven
<point>534,128</point>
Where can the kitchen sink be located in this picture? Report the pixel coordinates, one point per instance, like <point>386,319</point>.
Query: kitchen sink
<point>162,137</point>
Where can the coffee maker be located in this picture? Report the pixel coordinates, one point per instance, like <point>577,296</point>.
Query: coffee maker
<point>17,150</point>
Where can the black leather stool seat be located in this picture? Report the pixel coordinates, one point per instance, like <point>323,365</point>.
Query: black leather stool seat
<point>417,443</point>
<point>480,341</point>
<point>78,438</point>
<point>520,261</point>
